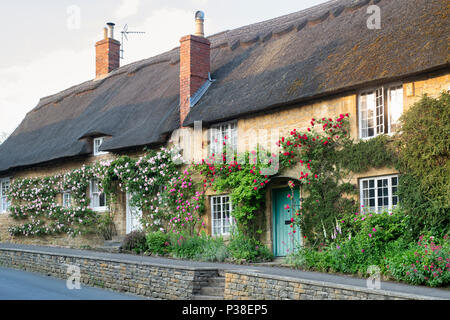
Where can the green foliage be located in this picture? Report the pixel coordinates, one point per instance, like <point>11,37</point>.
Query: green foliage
<point>213,249</point>
<point>361,242</point>
<point>321,174</point>
<point>366,154</point>
<point>424,148</point>
<point>425,262</point>
<point>105,226</point>
<point>378,240</point>
<point>158,242</point>
<point>246,248</point>
<point>241,176</point>
<point>135,241</point>
<point>203,247</point>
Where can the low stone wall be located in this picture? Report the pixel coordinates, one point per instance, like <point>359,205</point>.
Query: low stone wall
<point>246,285</point>
<point>182,282</point>
<point>151,280</point>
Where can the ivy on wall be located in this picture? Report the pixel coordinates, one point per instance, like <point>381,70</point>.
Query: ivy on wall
<point>424,150</point>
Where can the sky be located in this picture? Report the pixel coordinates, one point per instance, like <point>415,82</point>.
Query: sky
<point>48,46</point>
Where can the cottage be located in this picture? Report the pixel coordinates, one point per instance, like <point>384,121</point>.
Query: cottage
<point>276,74</point>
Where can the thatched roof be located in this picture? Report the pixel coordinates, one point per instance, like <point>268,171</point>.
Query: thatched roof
<point>304,55</point>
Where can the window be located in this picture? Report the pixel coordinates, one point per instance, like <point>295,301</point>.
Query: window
<point>220,212</point>
<point>379,194</point>
<point>380,110</point>
<point>97,143</point>
<point>66,200</point>
<point>4,188</point>
<point>98,198</point>
<point>220,133</point>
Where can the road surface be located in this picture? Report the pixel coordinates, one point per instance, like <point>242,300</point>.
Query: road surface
<point>22,285</point>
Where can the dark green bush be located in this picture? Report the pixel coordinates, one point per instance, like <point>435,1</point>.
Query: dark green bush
<point>185,246</point>
<point>158,243</point>
<point>135,241</point>
<point>424,149</point>
<point>246,248</point>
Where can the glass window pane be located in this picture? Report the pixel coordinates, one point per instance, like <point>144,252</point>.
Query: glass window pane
<point>395,104</point>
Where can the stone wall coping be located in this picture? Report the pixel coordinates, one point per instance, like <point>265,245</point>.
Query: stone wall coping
<point>334,285</point>
<point>122,260</point>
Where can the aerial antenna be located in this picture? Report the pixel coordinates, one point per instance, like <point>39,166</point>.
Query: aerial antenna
<point>124,33</point>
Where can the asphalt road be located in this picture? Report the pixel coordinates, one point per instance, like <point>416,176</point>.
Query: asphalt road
<point>22,285</point>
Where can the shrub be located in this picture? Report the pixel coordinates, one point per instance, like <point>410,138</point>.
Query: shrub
<point>185,246</point>
<point>158,242</point>
<point>134,241</point>
<point>202,248</point>
<point>361,241</point>
<point>246,248</point>
<point>424,150</point>
<point>214,249</point>
<point>106,227</point>
<point>425,262</point>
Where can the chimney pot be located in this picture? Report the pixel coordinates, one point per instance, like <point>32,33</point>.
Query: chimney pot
<point>111,29</point>
<point>199,24</point>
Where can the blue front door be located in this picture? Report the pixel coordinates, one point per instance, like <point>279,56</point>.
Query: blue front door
<point>284,239</point>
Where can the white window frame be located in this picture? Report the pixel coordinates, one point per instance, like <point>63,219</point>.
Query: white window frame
<point>222,218</point>
<point>66,202</point>
<point>377,195</point>
<point>4,197</point>
<point>384,102</point>
<point>219,131</point>
<point>97,143</point>
<point>96,193</point>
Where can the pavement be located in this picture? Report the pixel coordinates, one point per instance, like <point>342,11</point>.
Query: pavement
<point>438,293</point>
<point>23,285</point>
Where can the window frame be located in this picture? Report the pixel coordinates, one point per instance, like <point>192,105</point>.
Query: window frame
<point>222,218</point>
<point>91,196</point>
<point>64,205</point>
<point>96,151</point>
<point>387,109</point>
<point>219,144</point>
<point>2,196</point>
<point>391,194</point>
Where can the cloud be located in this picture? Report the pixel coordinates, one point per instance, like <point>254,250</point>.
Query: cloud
<point>127,8</point>
<point>23,85</point>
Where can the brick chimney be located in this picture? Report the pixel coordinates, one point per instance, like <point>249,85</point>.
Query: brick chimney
<point>107,53</point>
<point>194,64</point>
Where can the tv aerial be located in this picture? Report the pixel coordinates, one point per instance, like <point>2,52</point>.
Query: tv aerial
<point>124,33</point>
